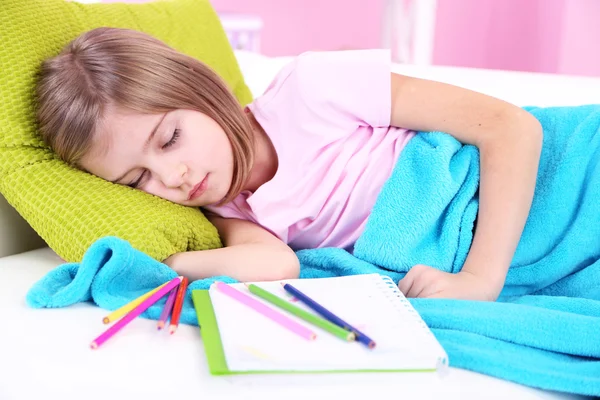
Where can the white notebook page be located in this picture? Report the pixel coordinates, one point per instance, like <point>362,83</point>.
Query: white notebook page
<point>370,303</point>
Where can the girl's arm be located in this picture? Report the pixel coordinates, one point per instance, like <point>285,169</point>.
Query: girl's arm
<point>510,141</point>
<point>250,254</point>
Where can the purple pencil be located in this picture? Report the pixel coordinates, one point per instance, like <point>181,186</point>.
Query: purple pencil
<point>167,309</point>
<point>120,324</point>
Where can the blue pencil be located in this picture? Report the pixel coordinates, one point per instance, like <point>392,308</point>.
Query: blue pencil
<point>328,315</point>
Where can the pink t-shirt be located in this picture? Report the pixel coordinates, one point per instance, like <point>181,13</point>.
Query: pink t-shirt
<point>328,116</point>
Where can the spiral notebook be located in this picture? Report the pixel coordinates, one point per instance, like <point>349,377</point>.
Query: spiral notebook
<point>238,340</point>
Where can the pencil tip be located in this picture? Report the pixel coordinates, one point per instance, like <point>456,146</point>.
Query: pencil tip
<point>105,320</point>
<point>93,345</point>
<point>172,329</point>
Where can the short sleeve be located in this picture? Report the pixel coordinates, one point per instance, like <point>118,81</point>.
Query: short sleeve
<point>237,208</point>
<point>352,86</point>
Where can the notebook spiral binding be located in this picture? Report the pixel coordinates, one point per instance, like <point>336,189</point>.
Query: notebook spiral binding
<point>391,291</point>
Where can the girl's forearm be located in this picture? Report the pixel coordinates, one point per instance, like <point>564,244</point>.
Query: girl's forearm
<point>509,166</point>
<point>244,262</point>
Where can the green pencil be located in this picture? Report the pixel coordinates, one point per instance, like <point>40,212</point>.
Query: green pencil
<point>300,313</point>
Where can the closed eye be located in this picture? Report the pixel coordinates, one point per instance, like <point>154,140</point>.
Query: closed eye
<point>135,184</point>
<point>173,139</point>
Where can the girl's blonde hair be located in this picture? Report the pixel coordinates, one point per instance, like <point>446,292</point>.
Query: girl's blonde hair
<point>132,70</point>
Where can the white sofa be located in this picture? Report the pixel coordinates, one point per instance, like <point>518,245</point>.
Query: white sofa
<point>45,353</point>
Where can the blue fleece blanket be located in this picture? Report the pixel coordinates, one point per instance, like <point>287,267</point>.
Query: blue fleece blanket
<point>548,315</point>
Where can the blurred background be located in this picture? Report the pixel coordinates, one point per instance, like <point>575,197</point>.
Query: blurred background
<point>552,36</point>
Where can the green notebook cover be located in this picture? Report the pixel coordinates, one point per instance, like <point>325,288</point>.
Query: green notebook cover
<point>213,347</point>
<point>210,333</point>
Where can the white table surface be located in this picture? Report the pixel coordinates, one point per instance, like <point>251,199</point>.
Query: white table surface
<point>46,355</point>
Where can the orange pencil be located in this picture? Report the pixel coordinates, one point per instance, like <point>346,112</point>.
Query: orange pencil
<point>178,305</point>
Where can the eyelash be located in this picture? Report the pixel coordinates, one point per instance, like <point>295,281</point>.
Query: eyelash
<point>173,139</point>
<point>171,142</point>
<point>137,181</point>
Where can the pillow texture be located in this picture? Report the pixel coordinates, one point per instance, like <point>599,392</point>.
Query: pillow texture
<point>71,209</point>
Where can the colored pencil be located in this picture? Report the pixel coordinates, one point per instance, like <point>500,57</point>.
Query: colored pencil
<point>328,315</point>
<point>167,309</point>
<point>302,314</point>
<point>118,313</point>
<point>134,313</point>
<point>266,311</point>
<point>177,307</point>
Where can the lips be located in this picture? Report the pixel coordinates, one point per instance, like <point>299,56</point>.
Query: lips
<point>198,189</point>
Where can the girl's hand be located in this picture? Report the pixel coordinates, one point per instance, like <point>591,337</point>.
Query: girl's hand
<point>424,281</point>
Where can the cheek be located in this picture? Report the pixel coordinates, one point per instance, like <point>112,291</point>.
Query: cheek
<point>156,188</point>
<point>152,187</point>
<point>99,167</point>
<point>225,149</point>
<point>215,150</point>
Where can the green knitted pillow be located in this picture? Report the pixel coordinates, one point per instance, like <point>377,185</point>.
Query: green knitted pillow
<point>71,209</point>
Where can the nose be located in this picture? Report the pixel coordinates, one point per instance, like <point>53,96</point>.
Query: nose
<point>174,177</point>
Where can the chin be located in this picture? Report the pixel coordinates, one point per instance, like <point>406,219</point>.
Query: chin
<point>217,200</point>
<point>203,202</point>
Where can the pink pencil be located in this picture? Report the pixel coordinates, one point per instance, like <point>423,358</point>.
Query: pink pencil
<point>134,313</point>
<point>268,312</point>
<point>166,310</point>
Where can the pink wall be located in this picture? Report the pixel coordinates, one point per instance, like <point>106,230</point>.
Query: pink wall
<point>556,36</point>
<point>580,53</point>
<point>293,26</point>
<point>507,34</point>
